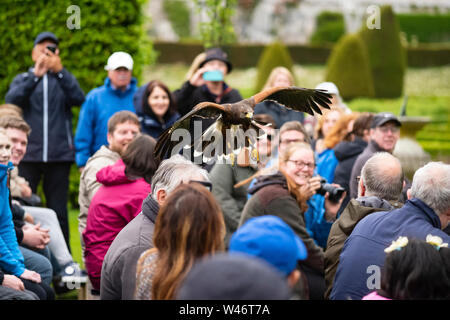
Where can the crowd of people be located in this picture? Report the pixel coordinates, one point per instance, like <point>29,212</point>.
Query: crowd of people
<point>325,213</point>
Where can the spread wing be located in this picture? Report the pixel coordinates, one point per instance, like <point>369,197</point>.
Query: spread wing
<point>167,140</point>
<point>296,98</point>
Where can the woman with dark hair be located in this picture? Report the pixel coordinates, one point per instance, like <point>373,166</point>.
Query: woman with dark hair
<point>189,226</point>
<point>125,185</point>
<point>158,109</point>
<point>415,270</point>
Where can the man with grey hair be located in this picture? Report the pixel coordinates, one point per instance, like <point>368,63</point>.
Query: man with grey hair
<point>118,278</point>
<point>379,189</point>
<point>427,211</point>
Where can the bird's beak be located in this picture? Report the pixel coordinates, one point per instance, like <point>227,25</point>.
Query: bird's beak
<point>249,115</point>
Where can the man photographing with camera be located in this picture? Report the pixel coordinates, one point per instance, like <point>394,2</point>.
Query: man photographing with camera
<point>46,93</point>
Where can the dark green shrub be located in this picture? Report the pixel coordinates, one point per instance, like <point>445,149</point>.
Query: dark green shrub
<point>349,68</point>
<point>429,55</point>
<point>179,16</point>
<point>425,27</point>
<point>387,55</point>
<point>274,55</point>
<point>330,26</point>
<point>105,27</point>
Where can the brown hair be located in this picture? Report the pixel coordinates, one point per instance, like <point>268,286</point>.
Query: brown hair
<point>321,119</point>
<point>189,226</point>
<point>122,117</point>
<point>297,126</point>
<point>362,123</point>
<point>139,159</point>
<point>146,108</point>
<point>339,131</point>
<point>15,123</point>
<point>275,71</point>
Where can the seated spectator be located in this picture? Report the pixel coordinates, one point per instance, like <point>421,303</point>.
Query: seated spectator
<point>11,257</point>
<point>125,185</point>
<point>40,223</point>
<point>12,288</point>
<point>233,277</point>
<point>189,226</point>
<point>272,240</point>
<point>279,77</point>
<point>137,236</point>
<point>285,194</point>
<point>426,212</point>
<point>123,127</point>
<point>415,270</point>
<point>348,150</point>
<point>225,176</point>
<point>157,110</point>
<point>380,188</point>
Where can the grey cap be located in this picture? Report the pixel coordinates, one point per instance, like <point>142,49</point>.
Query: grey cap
<point>381,118</point>
<point>233,277</point>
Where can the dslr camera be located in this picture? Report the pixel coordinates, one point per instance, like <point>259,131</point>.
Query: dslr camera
<point>334,193</point>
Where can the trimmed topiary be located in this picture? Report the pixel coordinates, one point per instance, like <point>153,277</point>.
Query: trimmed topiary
<point>273,55</point>
<point>348,67</point>
<point>387,55</point>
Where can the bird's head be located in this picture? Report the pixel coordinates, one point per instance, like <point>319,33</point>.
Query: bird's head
<point>248,114</point>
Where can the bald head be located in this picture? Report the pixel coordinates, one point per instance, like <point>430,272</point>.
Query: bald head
<point>382,176</point>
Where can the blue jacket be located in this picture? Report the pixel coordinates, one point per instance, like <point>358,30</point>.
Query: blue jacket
<point>11,259</point>
<point>47,103</point>
<point>362,256</point>
<point>101,103</point>
<point>150,125</point>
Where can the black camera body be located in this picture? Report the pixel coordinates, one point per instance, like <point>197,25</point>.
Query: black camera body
<point>51,48</point>
<point>334,193</point>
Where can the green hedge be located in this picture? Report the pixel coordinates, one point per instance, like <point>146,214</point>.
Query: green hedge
<point>349,68</point>
<point>105,27</point>
<point>330,26</point>
<point>425,27</point>
<point>387,55</point>
<point>429,55</point>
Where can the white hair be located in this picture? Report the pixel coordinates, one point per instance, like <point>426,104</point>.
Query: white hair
<point>174,171</point>
<point>431,184</point>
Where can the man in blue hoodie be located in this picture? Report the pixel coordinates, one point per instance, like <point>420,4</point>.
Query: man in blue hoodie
<point>427,211</point>
<point>101,103</point>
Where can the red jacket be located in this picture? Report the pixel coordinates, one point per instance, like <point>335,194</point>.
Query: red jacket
<point>116,203</point>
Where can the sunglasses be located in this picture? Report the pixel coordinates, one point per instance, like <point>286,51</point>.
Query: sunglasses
<point>206,184</point>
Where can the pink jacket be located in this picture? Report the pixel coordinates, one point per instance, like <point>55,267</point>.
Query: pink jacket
<point>116,203</point>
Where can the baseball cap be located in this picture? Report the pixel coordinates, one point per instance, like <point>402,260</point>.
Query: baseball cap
<point>271,239</point>
<point>119,59</point>
<point>46,35</point>
<point>233,277</point>
<point>330,87</point>
<point>217,54</point>
<point>381,118</point>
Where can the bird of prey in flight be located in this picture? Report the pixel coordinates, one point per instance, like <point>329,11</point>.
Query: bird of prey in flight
<point>229,132</point>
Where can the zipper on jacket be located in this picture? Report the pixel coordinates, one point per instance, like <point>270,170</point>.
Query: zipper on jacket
<point>45,121</point>
<point>69,135</point>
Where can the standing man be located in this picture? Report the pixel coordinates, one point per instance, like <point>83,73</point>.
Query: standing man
<point>46,93</point>
<point>101,103</point>
<point>384,133</point>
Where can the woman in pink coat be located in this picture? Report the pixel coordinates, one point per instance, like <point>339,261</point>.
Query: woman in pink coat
<point>125,185</point>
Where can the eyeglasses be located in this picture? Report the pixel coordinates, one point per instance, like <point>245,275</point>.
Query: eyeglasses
<point>301,164</point>
<point>206,184</point>
<point>385,129</point>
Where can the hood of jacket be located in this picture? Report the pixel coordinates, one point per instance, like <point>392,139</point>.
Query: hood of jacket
<point>266,180</point>
<point>361,207</point>
<point>150,208</point>
<point>113,174</point>
<point>348,149</point>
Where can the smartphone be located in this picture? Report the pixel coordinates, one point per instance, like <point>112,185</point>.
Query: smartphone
<point>52,48</point>
<point>213,75</point>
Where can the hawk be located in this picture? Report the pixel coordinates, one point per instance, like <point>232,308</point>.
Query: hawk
<point>229,133</point>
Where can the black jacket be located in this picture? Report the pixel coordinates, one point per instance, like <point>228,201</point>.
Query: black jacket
<point>46,103</point>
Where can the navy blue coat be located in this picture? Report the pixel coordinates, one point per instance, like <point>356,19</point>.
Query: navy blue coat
<point>278,112</point>
<point>363,251</point>
<point>46,103</point>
